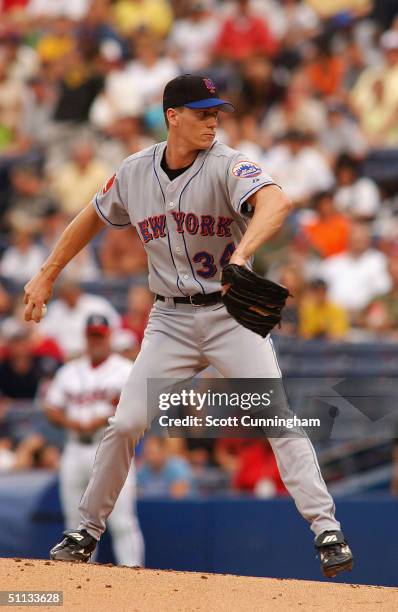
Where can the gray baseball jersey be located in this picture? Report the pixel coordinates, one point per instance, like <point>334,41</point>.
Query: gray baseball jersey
<point>189,226</point>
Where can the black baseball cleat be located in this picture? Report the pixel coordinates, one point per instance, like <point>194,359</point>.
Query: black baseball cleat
<point>334,553</point>
<point>77,546</point>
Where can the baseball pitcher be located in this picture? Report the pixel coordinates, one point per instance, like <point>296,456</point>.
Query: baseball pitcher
<point>201,210</point>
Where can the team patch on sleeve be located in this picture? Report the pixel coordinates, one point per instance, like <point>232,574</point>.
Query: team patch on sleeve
<point>108,185</point>
<point>246,169</point>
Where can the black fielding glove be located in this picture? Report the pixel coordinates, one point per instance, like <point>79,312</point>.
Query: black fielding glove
<point>253,301</point>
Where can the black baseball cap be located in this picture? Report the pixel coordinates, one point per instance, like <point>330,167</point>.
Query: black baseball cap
<point>97,324</point>
<point>193,92</point>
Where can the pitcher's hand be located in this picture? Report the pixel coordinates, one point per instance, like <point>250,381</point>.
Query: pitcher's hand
<point>37,293</point>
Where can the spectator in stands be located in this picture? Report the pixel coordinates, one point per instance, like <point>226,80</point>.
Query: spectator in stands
<point>326,70</point>
<point>298,110</point>
<point>12,92</point>
<point>21,58</point>
<point>132,16</point>
<point>139,304</point>
<point>356,195</point>
<point>357,54</point>
<point>43,347</point>
<point>226,453</point>
<point>67,315</point>
<point>84,267</point>
<point>21,370</point>
<point>120,97</point>
<point>58,42</point>
<point>342,134</point>
<point>97,30</point>
<point>79,83</point>
<point>381,316</point>
<point>192,39</point>
<point>358,275</point>
<point>328,233</point>
<point>160,475</point>
<point>293,22</point>
<point>34,452</point>
<point>149,72</point>
<point>259,87</point>
<point>83,169</point>
<point>298,167</point>
<point>375,95</point>
<point>23,257</point>
<point>124,136</point>
<point>241,134</point>
<point>319,318</point>
<point>244,35</point>
<point>251,466</point>
<point>122,254</point>
<point>30,193</point>
<point>39,101</point>
<point>257,471</point>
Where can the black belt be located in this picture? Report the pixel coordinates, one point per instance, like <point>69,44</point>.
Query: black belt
<point>199,299</point>
<point>82,439</point>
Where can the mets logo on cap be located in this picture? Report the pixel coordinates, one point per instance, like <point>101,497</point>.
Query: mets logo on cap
<point>246,169</point>
<point>210,85</point>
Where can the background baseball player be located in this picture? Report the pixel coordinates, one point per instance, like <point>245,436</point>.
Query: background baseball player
<point>196,204</point>
<point>81,398</point>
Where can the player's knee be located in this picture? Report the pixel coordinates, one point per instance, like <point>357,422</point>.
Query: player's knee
<point>129,425</point>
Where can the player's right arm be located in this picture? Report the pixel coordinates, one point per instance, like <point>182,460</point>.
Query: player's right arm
<point>74,238</point>
<point>59,418</point>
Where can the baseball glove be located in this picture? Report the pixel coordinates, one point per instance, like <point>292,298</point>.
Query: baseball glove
<point>253,301</point>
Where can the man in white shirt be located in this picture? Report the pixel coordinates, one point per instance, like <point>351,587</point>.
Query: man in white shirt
<point>358,275</point>
<point>193,38</point>
<point>80,399</point>
<point>66,317</point>
<point>298,168</point>
<point>355,195</point>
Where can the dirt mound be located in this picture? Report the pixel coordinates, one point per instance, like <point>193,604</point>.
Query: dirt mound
<point>96,587</point>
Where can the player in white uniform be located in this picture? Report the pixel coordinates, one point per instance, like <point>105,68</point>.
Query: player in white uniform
<point>82,396</point>
<point>196,205</point>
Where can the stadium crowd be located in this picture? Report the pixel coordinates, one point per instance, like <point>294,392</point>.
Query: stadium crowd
<point>315,84</point>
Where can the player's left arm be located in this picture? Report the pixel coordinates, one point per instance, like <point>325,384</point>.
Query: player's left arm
<point>99,422</point>
<point>271,207</point>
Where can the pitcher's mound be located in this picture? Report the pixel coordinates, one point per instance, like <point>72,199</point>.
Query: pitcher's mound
<point>94,588</point>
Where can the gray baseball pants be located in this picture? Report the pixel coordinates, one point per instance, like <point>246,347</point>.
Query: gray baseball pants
<point>180,341</point>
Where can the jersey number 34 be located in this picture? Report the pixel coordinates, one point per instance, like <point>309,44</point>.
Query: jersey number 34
<point>209,269</point>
